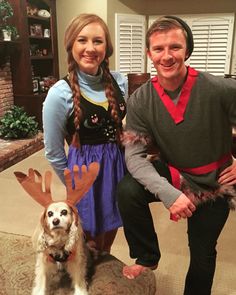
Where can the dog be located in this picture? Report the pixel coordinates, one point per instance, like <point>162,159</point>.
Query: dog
<point>63,259</point>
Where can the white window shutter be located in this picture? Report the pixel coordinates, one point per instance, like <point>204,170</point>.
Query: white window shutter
<point>130,43</point>
<point>213,37</point>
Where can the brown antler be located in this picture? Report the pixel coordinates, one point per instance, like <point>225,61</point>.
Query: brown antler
<point>83,180</point>
<point>35,188</point>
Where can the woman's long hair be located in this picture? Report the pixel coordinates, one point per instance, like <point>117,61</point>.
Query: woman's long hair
<point>72,31</point>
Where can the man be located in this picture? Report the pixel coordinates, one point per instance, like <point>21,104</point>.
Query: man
<point>189,116</point>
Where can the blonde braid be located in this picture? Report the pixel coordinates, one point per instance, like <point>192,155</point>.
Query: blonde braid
<point>73,78</point>
<point>112,97</point>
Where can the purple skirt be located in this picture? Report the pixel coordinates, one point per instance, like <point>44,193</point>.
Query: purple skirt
<point>98,209</point>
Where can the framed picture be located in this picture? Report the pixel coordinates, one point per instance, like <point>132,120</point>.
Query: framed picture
<point>46,33</point>
<point>35,82</point>
<point>32,30</point>
<point>38,30</point>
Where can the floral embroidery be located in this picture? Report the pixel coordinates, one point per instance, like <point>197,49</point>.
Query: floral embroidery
<point>110,131</point>
<point>94,118</point>
<point>122,107</point>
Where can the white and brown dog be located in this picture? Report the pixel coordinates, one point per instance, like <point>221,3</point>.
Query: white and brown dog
<point>63,258</point>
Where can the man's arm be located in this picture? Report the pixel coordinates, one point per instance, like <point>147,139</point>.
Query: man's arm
<point>145,173</point>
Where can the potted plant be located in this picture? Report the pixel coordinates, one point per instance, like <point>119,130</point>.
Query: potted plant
<point>9,31</point>
<point>16,124</point>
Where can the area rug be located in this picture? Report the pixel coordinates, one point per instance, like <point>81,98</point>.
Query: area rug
<point>16,264</point>
<point>17,261</point>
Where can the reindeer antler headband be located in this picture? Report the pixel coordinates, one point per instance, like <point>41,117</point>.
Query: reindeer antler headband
<point>82,179</point>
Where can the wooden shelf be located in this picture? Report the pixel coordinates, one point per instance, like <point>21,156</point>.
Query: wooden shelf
<point>11,43</point>
<point>35,57</point>
<point>38,55</point>
<point>40,18</point>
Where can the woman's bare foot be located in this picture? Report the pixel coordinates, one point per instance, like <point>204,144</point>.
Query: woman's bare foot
<point>133,271</point>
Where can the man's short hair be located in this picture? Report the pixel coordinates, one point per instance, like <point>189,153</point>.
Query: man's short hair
<point>168,22</point>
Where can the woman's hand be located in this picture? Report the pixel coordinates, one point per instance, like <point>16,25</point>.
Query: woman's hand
<point>228,175</point>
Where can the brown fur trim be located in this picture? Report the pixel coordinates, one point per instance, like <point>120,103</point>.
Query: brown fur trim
<point>130,137</point>
<point>228,191</point>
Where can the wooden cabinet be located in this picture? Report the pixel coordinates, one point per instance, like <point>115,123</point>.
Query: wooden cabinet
<point>35,64</point>
<point>7,49</point>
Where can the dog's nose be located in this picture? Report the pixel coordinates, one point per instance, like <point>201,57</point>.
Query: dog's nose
<point>56,221</point>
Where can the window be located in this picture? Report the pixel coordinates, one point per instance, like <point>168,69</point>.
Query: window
<point>213,37</point>
<point>130,43</point>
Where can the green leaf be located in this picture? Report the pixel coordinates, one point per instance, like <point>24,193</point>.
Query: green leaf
<point>17,124</point>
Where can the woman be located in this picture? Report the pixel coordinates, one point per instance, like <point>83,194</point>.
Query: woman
<point>86,108</point>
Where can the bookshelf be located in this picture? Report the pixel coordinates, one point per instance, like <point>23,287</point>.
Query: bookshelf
<point>35,64</point>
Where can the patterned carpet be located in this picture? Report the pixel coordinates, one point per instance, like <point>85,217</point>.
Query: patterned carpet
<point>17,272</point>
<point>16,264</point>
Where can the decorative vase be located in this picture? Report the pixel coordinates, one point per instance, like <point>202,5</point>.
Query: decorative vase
<point>6,35</point>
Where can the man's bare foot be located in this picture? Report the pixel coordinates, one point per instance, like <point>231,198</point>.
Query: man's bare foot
<point>133,271</point>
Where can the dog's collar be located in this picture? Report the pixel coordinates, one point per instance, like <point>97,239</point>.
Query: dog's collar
<point>64,258</point>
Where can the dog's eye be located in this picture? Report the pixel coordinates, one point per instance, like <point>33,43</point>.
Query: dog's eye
<point>50,213</point>
<point>64,212</point>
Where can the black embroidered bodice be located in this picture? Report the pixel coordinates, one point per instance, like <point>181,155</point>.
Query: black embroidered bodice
<point>97,125</point>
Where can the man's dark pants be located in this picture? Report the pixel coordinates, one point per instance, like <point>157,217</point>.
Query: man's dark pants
<point>204,228</point>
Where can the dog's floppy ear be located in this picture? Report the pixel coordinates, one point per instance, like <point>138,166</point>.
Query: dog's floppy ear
<point>83,179</point>
<point>35,187</point>
<point>43,222</point>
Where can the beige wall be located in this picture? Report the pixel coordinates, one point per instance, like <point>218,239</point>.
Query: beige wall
<point>107,9</point>
<point>180,6</point>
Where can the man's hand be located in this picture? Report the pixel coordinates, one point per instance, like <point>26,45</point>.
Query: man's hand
<point>182,208</point>
<point>228,175</point>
